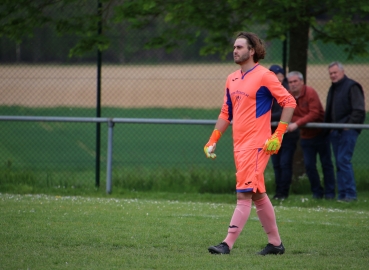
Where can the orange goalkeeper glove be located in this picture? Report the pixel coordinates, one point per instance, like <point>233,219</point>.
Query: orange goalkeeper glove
<point>273,144</point>
<point>209,148</point>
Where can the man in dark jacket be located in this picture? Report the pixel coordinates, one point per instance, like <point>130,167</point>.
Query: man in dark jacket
<point>283,160</point>
<point>345,104</point>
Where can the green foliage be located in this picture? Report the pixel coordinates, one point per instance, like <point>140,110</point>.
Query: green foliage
<point>192,180</point>
<point>351,20</point>
<point>213,21</point>
<point>278,17</point>
<point>142,179</point>
<point>19,18</point>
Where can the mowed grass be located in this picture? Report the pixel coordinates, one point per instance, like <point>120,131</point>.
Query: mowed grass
<point>59,146</point>
<point>64,154</point>
<point>66,232</point>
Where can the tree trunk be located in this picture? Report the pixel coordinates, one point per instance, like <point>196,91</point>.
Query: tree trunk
<point>298,48</point>
<point>298,53</point>
<point>298,163</point>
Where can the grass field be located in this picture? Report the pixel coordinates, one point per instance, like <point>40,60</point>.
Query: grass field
<point>38,144</point>
<point>66,232</point>
<point>63,154</point>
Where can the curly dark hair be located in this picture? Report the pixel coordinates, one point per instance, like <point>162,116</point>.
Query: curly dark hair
<point>254,42</point>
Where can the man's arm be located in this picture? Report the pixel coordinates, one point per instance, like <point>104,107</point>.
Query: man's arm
<point>220,127</point>
<point>313,114</point>
<point>358,105</point>
<point>273,144</point>
<point>287,113</point>
<point>287,101</point>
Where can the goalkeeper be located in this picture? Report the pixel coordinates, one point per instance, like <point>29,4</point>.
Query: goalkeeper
<point>248,98</point>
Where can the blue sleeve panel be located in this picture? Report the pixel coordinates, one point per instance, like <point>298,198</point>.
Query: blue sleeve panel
<point>264,100</point>
<point>230,106</point>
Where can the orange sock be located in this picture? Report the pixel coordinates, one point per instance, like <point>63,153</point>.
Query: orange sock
<point>238,221</point>
<point>265,212</point>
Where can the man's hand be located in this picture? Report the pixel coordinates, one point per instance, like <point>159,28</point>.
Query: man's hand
<point>209,148</point>
<point>273,144</point>
<point>292,127</point>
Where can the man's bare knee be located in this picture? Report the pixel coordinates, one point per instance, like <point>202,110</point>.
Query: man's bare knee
<point>257,196</point>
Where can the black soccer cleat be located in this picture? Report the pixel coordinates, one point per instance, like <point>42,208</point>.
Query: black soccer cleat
<point>271,249</point>
<point>222,248</point>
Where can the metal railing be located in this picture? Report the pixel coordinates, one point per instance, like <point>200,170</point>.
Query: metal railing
<point>111,122</point>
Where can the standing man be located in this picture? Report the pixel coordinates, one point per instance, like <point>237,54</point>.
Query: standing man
<point>313,141</point>
<point>283,160</point>
<point>281,75</point>
<point>247,102</point>
<point>345,104</point>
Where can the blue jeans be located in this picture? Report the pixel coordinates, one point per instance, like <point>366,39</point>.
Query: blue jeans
<point>343,144</point>
<point>282,164</point>
<point>311,148</point>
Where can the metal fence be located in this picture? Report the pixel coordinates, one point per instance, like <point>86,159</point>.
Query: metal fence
<point>135,83</point>
<point>111,121</point>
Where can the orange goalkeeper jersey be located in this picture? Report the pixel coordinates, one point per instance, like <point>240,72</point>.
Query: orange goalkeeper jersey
<point>247,103</point>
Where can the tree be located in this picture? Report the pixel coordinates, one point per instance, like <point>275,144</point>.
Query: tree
<point>283,19</point>
<point>338,21</point>
<point>19,18</point>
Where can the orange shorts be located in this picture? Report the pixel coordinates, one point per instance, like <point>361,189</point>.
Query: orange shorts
<point>250,166</point>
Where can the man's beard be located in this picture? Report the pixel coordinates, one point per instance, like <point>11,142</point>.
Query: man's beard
<point>242,58</point>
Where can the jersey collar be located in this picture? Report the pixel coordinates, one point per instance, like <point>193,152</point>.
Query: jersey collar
<point>244,74</point>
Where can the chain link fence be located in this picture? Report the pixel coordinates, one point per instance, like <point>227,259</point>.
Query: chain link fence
<point>37,78</point>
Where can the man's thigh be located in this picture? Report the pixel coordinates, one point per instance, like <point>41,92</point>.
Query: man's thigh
<point>250,166</point>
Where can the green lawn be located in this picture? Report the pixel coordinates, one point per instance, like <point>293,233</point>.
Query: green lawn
<point>67,232</point>
<point>63,154</point>
<point>56,145</point>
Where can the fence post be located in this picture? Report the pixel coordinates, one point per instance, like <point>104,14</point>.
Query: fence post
<point>98,97</point>
<point>109,156</point>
